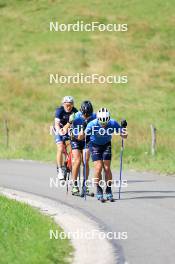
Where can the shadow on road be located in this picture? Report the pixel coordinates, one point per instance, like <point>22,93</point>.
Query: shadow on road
<point>147,196</point>
<point>134,181</point>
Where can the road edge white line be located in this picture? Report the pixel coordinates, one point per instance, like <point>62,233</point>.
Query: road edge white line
<point>87,251</point>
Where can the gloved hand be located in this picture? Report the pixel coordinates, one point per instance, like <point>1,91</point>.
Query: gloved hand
<point>84,125</point>
<point>124,123</point>
<point>71,118</point>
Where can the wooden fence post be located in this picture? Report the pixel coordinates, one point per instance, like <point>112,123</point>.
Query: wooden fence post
<point>153,141</point>
<point>6,133</point>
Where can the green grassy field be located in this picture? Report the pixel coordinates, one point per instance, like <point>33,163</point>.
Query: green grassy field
<point>29,52</point>
<point>25,238</point>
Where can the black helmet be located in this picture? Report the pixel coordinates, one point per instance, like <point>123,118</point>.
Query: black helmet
<point>86,108</point>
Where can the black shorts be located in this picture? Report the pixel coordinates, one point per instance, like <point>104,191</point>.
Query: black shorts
<point>80,145</point>
<point>101,152</point>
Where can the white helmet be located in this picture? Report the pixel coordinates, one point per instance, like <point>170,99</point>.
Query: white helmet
<point>68,99</point>
<point>103,115</point>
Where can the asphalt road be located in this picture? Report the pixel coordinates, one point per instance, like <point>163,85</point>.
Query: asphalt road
<point>146,211</point>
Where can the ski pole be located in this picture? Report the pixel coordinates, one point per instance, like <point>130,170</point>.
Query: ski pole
<point>84,187</point>
<point>79,178</point>
<point>67,167</point>
<point>121,166</point>
<point>67,182</point>
<point>123,125</point>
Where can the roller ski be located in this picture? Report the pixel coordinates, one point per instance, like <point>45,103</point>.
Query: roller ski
<point>109,197</point>
<point>60,173</point>
<point>100,198</point>
<point>99,194</point>
<point>75,191</point>
<point>86,192</point>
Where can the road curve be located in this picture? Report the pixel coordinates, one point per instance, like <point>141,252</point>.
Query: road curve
<point>146,211</point>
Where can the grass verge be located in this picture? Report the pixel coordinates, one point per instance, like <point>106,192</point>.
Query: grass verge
<point>29,53</point>
<point>24,234</point>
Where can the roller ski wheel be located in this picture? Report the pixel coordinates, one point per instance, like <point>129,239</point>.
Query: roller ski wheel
<point>91,194</point>
<point>88,194</point>
<point>109,197</point>
<point>76,194</point>
<point>111,200</point>
<point>75,191</point>
<point>100,198</point>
